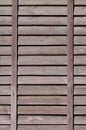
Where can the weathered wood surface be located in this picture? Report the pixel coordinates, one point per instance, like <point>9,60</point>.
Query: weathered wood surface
<point>42,80</point>
<point>55,21</point>
<point>42,120</point>
<point>42,60</point>
<point>49,30</point>
<point>42,100</point>
<point>46,110</point>
<point>42,10</point>
<point>44,2</point>
<point>42,127</point>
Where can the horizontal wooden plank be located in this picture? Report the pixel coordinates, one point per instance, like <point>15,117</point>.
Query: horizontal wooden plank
<point>42,80</point>
<point>5,100</point>
<point>49,20</point>
<point>6,30</point>
<point>60,110</point>
<point>41,100</point>
<point>80,110</point>
<point>44,2</point>
<point>5,110</point>
<point>49,127</point>
<point>46,100</point>
<point>42,10</point>
<point>79,40</point>
<point>42,119</point>
<point>80,70</point>
<point>80,50</point>
<point>5,119</point>
<point>5,70</point>
<point>5,40</point>
<point>42,30</point>
<point>80,100</point>
<point>42,21</point>
<point>42,40</point>
<point>5,89</point>
<point>5,60</point>
<point>5,20</point>
<point>80,120</point>
<point>80,10</point>
<point>79,60</point>
<point>5,127</point>
<point>49,120</point>
<point>80,80</point>
<point>5,50</point>
<point>80,90</point>
<point>42,90</point>
<point>40,50</point>
<point>48,70</point>
<point>42,60</point>
<point>80,21</point>
<point>5,2</point>
<point>42,127</point>
<point>79,2</point>
<point>80,31</point>
<point>5,10</point>
<point>79,127</point>
<point>5,79</point>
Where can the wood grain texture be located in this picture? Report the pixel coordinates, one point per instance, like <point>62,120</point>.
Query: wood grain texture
<point>5,2</point>
<point>4,127</point>
<point>42,127</point>
<point>40,110</point>
<point>5,10</point>
<point>42,60</point>
<point>5,119</point>
<point>42,20</point>
<point>42,10</point>
<point>6,79</point>
<point>5,40</point>
<point>42,50</point>
<point>70,120</point>
<point>6,70</point>
<point>5,100</point>
<point>42,90</point>
<point>80,90</point>
<point>14,65</point>
<point>42,40</point>
<point>42,80</point>
<point>44,2</point>
<point>5,60</point>
<point>42,100</point>
<point>42,120</point>
<point>42,70</point>
<point>5,109</point>
<point>42,30</point>
<point>5,89</point>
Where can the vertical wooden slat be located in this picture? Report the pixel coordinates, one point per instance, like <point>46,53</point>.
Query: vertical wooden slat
<point>70,65</point>
<point>14,67</point>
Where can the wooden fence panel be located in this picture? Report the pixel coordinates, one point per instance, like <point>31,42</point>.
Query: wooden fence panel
<point>42,64</point>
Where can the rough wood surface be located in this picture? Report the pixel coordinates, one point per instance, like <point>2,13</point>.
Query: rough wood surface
<point>42,60</point>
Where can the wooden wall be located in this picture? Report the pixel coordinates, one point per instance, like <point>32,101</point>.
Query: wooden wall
<point>42,64</point>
